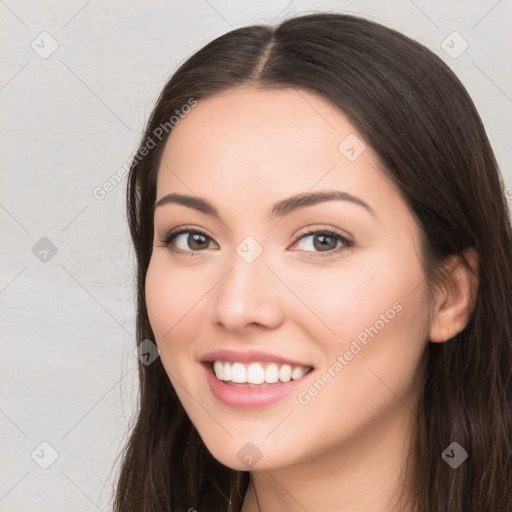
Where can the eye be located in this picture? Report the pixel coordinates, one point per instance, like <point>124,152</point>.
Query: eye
<point>324,242</point>
<point>193,241</point>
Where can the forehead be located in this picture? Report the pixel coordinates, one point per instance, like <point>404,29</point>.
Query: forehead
<point>249,121</point>
<point>251,143</point>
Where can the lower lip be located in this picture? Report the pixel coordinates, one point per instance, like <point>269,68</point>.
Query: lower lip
<point>250,398</point>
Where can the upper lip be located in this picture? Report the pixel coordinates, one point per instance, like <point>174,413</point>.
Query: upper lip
<point>250,357</point>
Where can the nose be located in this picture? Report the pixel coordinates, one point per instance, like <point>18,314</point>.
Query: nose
<point>249,294</point>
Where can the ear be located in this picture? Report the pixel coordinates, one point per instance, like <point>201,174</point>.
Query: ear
<point>456,297</point>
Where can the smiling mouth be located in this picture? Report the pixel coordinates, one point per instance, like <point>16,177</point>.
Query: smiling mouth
<point>256,375</point>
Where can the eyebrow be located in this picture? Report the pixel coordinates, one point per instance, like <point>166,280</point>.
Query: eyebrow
<point>279,209</point>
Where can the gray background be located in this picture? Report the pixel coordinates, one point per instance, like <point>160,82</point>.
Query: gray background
<point>69,120</point>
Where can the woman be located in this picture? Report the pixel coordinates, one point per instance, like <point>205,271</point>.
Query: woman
<point>323,243</point>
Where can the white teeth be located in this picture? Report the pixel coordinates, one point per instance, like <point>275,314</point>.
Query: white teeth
<point>271,373</point>
<point>218,369</point>
<point>226,371</point>
<point>238,373</point>
<point>285,373</point>
<point>255,373</point>
<point>298,372</point>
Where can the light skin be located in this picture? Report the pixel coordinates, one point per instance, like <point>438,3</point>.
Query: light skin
<point>243,151</point>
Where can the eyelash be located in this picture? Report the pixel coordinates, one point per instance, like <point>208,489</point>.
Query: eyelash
<point>170,236</point>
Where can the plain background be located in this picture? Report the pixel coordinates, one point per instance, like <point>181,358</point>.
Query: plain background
<point>69,121</point>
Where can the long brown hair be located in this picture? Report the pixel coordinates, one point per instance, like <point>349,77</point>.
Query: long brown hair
<point>420,121</point>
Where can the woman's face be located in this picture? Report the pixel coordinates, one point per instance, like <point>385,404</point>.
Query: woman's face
<point>350,303</point>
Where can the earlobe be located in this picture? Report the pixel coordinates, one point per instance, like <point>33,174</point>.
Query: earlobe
<point>457,297</point>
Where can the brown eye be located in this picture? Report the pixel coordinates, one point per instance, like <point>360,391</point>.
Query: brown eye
<point>196,241</point>
<point>190,240</point>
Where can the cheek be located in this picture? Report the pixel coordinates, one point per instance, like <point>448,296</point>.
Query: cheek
<point>160,298</point>
<point>366,291</point>
<point>173,298</point>
<point>372,365</point>
<point>379,315</point>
